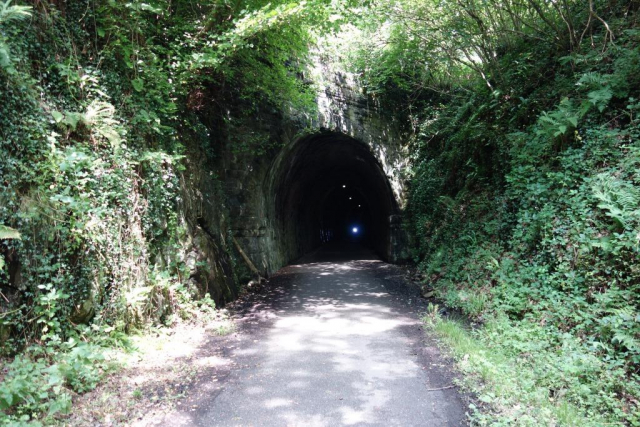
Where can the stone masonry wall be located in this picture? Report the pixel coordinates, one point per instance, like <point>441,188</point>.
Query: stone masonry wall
<point>248,182</point>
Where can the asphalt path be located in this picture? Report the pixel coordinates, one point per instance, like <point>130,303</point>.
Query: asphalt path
<point>334,341</point>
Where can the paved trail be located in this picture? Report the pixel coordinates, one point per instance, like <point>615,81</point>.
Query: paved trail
<point>331,345</point>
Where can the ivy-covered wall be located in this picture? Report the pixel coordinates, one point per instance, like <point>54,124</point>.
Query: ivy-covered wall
<point>112,206</point>
<point>136,160</point>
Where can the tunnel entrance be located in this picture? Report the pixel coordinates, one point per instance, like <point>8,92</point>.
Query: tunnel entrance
<point>330,188</point>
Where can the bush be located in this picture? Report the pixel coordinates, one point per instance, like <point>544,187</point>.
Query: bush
<point>39,382</point>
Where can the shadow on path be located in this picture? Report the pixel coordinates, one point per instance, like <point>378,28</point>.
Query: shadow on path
<point>334,341</point>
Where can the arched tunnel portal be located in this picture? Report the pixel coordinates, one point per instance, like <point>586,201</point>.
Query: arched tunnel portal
<point>329,187</point>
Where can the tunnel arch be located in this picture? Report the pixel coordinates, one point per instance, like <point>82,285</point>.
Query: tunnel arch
<point>321,187</point>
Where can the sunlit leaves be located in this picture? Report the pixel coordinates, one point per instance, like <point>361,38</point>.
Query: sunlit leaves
<point>7,233</point>
<point>9,13</point>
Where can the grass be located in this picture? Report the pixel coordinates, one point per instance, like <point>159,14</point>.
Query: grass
<point>225,328</point>
<point>141,376</point>
<point>510,388</point>
<point>165,364</point>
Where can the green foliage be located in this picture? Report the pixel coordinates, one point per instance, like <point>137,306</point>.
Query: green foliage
<point>524,194</point>
<point>9,13</point>
<point>514,369</point>
<point>7,233</point>
<point>523,200</point>
<point>100,102</point>
<point>38,383</point>
<point>32,388</point>
<point>93,142</point>
<point>561,122</point>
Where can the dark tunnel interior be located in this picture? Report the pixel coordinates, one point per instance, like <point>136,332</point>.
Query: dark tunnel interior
<point>332,189</point>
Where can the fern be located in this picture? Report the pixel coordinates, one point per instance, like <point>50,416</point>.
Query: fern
<point>7,14</point>
<point>618,198</point>
<point>559,122</point>
<point>8,233</point>
<point>98,119</point>
<point>600,98</point>
<point>593,80</point>
<point>13,13</point>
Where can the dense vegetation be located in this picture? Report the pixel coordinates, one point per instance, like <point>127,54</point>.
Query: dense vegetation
<point>99,103</point>
<point>525,195</point>
<point>524,202</point>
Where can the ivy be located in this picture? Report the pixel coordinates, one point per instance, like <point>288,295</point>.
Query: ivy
<point>523,197</point>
